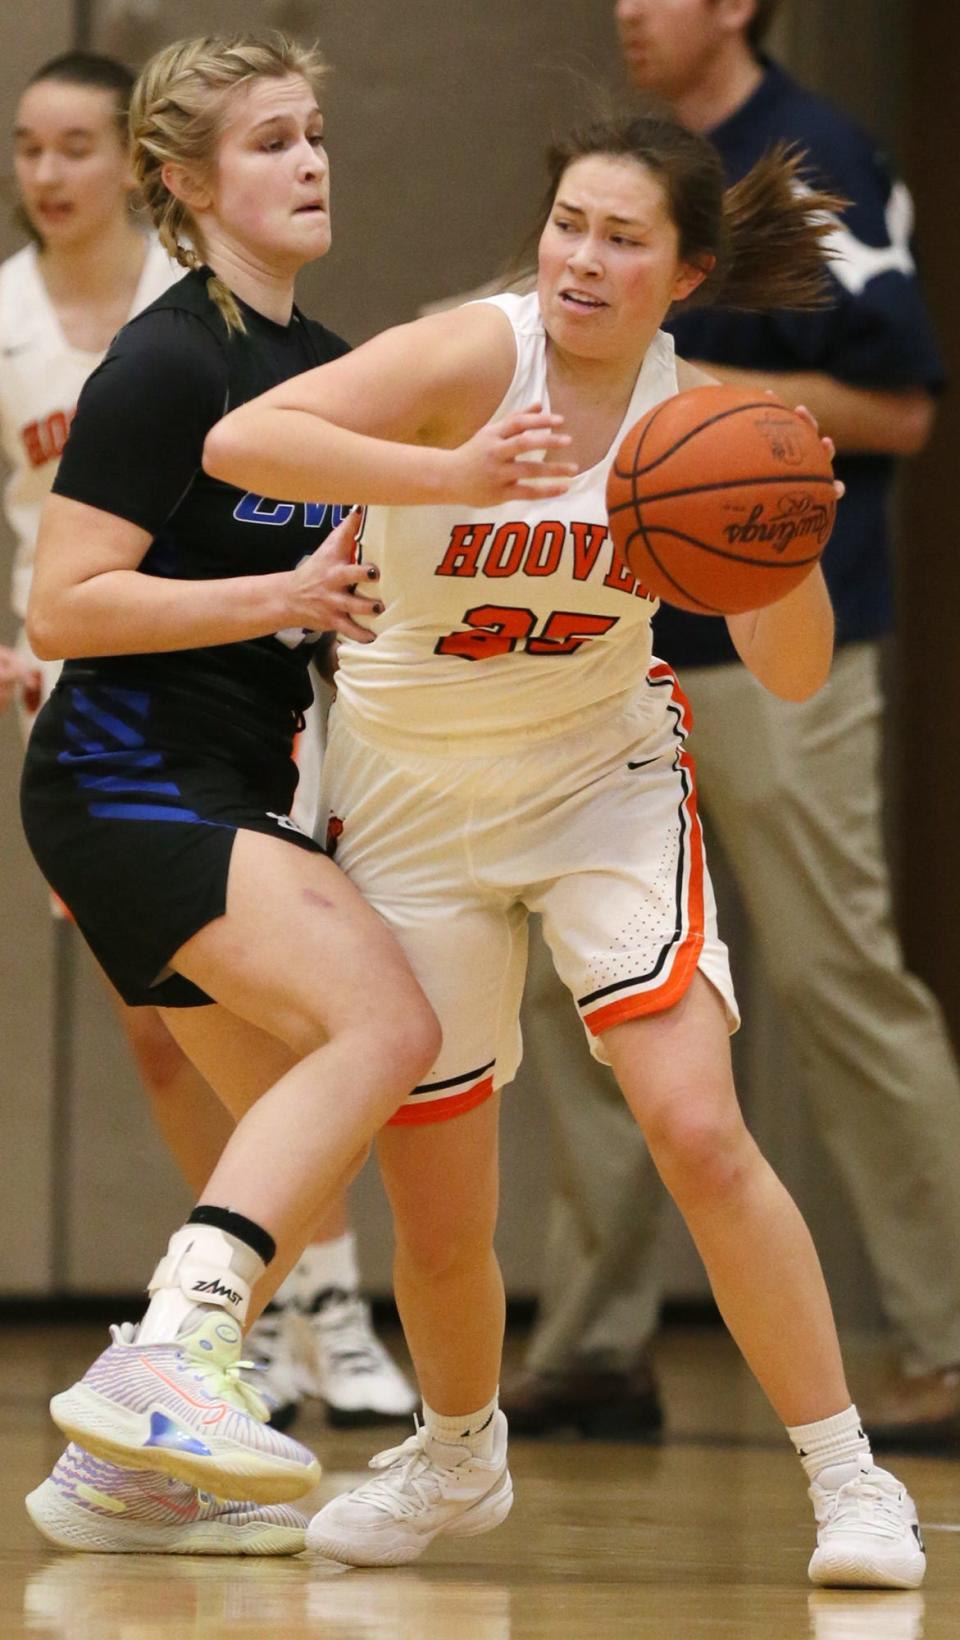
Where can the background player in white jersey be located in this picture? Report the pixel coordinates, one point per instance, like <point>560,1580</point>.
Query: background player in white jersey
<point>88,267</point>
<point>506,745</point>
<point>157,788</point>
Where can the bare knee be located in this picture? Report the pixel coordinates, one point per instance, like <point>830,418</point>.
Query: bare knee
<point>430,1257</point>
<point>412,1040</point>
<point>434,1246</point>
<point>702,1154</point>
<point>398,1042</point>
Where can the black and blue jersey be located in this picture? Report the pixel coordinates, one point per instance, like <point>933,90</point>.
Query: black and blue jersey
<point>135,450</point>
<point>875,334</point>
<point>142,769</point>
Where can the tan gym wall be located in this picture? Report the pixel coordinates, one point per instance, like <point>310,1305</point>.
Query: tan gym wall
<point>437,120</point>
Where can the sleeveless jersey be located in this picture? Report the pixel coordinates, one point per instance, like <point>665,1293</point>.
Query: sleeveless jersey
<point>41,375</point>
<point>504,623</point>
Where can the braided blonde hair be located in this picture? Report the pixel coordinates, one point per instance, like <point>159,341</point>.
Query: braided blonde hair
<point>177,112</point>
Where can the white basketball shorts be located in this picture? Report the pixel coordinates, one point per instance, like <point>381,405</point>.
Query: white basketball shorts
<point>594,830</point>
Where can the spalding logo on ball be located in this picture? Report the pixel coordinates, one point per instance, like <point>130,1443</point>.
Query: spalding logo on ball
<point>720,500</point>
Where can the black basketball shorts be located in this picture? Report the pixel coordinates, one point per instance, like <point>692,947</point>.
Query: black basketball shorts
<point>131,807</point>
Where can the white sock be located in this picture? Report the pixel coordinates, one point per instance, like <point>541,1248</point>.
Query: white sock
<point>204,1269</point>
<point>470,1429</point>
<point>325,1265</point>
<point>833,1450</point>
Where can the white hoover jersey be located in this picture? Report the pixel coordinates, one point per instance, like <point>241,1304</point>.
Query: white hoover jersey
<point>503,623</point>
<point>40,380</point>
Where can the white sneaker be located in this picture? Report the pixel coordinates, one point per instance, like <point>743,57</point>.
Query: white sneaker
<point>426,1486</point>
<point>868,1535</point>
<point>88,1504</point>
<point>272,1371</point>
<point>341,1360</point>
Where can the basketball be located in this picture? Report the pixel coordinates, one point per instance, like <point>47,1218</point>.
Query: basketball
<point>720,500</point>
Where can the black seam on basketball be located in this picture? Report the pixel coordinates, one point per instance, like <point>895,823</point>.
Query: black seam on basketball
<point>634,473</point>
<point>630,472</point>
<point>721,484</point>
<point>646,432</point>
<point>711,421</point>
<point>708,609</point>
<point>716,552</point>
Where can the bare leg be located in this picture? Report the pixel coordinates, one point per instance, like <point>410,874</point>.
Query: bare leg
<point>241,1062</point>
<point>296,955</point>
<point>334,1221</point>
<point>191,1118</point>
<point>193,1112</point>
<point>442,1181</point>
<point>674,1069</point>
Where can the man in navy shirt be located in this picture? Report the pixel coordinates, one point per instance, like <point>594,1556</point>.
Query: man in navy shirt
<point>791,790</point>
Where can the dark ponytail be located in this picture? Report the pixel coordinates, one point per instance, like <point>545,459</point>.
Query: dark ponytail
<point>774,231</point>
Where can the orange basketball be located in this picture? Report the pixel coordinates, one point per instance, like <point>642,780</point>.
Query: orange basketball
<point>721,499</point>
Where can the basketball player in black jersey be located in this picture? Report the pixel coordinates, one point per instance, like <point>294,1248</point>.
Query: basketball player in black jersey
<point>159,779</point>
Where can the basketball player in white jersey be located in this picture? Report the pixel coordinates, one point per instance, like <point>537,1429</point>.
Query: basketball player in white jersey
<point>506,743</point>
<point>86,270</point>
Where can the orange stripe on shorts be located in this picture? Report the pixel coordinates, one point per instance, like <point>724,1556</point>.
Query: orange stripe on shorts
<point>658,998</point>
<point>440,1110</point>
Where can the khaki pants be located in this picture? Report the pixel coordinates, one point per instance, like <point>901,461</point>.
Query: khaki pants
<point>793,794</point>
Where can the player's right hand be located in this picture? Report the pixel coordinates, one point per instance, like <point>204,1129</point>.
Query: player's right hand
<point>323,595</point>
<point>502,462</point>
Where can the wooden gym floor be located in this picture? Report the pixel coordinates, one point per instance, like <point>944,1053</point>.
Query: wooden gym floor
<point>707,1535</point>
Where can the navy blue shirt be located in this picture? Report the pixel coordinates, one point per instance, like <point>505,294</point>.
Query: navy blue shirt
<point>876,334</point>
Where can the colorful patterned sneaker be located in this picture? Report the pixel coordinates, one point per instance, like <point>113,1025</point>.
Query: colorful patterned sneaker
<point>868,1535</point>
<point>425,1487</point>
<point>272,1372</point>
<point>341,1360</point>
<point>184,1409</point>
<point>88,1504</point>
